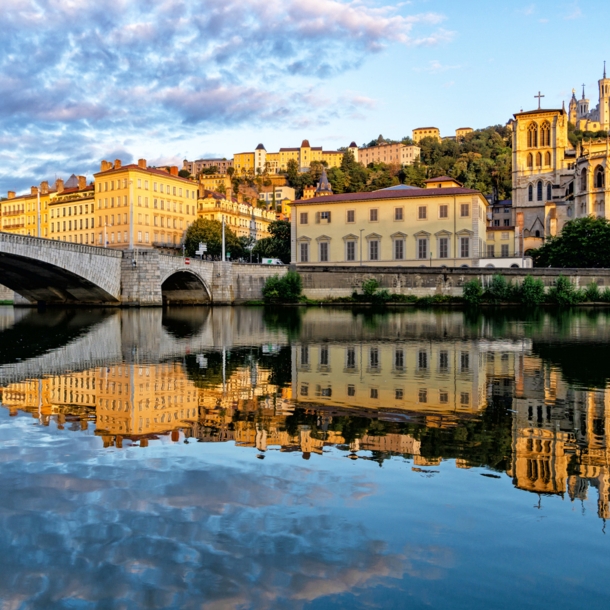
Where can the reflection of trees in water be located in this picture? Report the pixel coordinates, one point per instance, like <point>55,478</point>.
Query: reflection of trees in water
<point>184,322</point>
<point>288,319</point>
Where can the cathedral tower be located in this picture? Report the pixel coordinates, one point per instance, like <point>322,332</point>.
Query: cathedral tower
<point>583,105</point>
<point>573,109</point>
<point>604,101</point>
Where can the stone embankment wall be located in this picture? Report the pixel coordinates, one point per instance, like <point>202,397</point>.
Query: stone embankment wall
<point>332,282</point>
<point>6,294</point>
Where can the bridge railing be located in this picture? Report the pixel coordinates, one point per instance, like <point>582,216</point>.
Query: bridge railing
<point>29,240</point>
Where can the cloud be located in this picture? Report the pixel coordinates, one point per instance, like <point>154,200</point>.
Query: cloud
<point>573,12</point>
<point>101,76</point>
<point>434,67</point>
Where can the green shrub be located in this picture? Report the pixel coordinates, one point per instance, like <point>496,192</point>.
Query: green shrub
<point>531,292</point>
<point>605,295</point>
<point>369,287</point>
<point>499,290</point>
<point>592,293</point>
<point>473,292</point>
<point>563,292</point>
<point>285,289</point>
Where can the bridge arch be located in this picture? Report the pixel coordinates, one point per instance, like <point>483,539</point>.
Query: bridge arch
<point>185,287</point>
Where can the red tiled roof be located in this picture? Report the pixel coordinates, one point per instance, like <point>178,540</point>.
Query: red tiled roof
<point>148,170</point>
<point>399,194</point>
<point>442,179</point>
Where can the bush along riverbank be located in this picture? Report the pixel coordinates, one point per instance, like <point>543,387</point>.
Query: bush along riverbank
<point>530,293</point>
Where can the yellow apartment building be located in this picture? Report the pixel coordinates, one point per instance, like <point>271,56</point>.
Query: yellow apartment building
<point>140,206</point>
<point>260,161</point>
<point>221,183</point>
<point>72,211</point>
<point>195,167</point>
<point>443,224</point>
<point>398,154</point>
<point>243,219</point>
<point>502,242</point>
<point>425,132</point>
<point>462,132</point>
<point>19,214</point>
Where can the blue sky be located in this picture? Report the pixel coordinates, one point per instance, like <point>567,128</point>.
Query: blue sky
<point>84,80</point>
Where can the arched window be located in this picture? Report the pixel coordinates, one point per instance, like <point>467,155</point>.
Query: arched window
<point>539,190</point>
<point>547,158</point>
<point>539,160</point>
<point>583,180</point>
<point>570,212</point>
<point>530,192</point>
<point>532,135</point>
<point>545,134</point>
<point>549,192</point>
<point>530,160</point>
<point>599,177</point>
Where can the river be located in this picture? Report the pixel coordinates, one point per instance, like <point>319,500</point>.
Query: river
<point>304,458</point>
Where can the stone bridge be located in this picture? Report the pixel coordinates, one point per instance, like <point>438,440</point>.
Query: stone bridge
<point>48,272</point>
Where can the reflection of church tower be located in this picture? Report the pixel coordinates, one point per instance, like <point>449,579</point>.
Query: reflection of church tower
<point>573,110</point>
<point>604,101</point>
<point>323,187</point>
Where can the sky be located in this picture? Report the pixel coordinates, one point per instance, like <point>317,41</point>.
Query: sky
<point>167,80</point>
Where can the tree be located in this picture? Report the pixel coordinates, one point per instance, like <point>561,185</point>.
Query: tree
<point>184,173</point>
<point>276,246</point>
<point>584,242</point>
<point>209,232</point>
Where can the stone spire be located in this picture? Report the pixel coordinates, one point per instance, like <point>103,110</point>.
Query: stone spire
<point>324,187</point>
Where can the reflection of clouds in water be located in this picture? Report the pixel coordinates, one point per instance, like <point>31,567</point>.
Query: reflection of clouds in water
<point>114,529</point>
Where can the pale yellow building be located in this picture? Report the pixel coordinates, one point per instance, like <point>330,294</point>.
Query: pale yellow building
<point>243,219</point>
<point>426,132</point>
<point>391,154</point>
<point>260,161</point>
<point>196,167</point>
<point>437,226</point>
<point>19,214</point>
<point>221,183</point>
<point>140,206</point>
<point>72,214</point>
<point>462,132</point>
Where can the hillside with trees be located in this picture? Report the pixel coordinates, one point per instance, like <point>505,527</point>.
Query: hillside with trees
<point>482,160</point>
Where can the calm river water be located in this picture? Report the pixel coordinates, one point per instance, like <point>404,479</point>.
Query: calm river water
<point>322,458</point>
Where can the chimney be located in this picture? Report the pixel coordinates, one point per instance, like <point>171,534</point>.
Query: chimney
<point>106,165</point>
<point>82,183</point>
<point>44,188</point>
<point>117,164</point>
<point>173,170</point>
<point>59,185</point>
<point>11,194</point>
<point>34,190</point>
<point>142,163</point>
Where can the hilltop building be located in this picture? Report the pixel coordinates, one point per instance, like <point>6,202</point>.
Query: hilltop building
<point>398,154</point>
<point>196,167</point>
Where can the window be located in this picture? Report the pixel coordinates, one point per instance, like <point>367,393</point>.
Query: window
<point>351,390</point>
<point>422,212</point>
<point>443,247</point>
<point>304,252</point>
<point>507,222</point>
<point>465,361</point>
<point>464,247</point>
<point>374,250</point>
<point>398,394</point>
<point>304,389</point>
<point>399,249</point>
<point>304,218</point>
<point>545,134</point>
<point>530,161</point>
<point>350,358</point>
<point>373,214</point>
<point>464,210</point>
<point>599,177</point>
<point>374,357</point>
<point>547,158</point>
<point>351,216</point>
<point>399,359</point>
<point>422,248</point>
<point>422,360</point>
<point>324,356</point>
<point>443,211</point>
<point>374,393</point>
<point>325,217</point>
<point>504,248</point>
<point>443,360</point>
<point>304,355</point>
<point>324,252</point>
<point>549,192</point>
<point>491,250</point>
<point>532,135</point>
<point>398,213</point>
<point>539,190</point>
<point>583,180</point>
<point>539,159</point>
<point>443,397</point>
<point>464,398</point>
<point>350,250</point>
<point>423,395</point>
<point>496,223</point>
<point>530,193</point>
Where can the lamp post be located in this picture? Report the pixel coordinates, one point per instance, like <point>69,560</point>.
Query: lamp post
<point>38,213</point>
<point>361,246</point>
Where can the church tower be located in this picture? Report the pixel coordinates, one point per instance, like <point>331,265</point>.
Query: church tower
<point>583,105</point>
<point>573,109</point>
<point>604,101</point>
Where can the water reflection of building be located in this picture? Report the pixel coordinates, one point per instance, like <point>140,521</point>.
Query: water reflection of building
<point>431,377</point>
<point>560,436</point>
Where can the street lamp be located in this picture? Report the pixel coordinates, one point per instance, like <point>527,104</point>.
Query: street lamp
<point>131,214</point>
<point>361,246</point>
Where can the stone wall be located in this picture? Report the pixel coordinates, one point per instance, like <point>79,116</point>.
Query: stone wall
<point>6,294</point>
<point>248,280</point>
<point>330,282</point>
